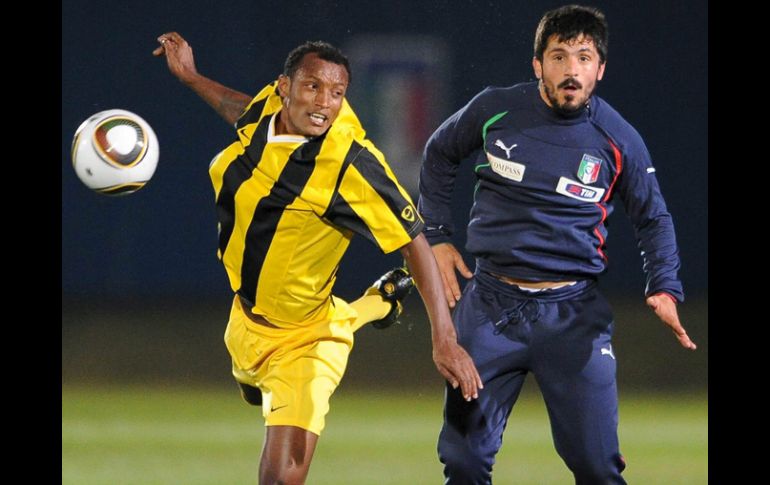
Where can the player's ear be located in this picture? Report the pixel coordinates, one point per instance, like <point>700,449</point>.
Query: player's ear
<point>284,85</point>
<point>600,75</point>
<point>537,66</point>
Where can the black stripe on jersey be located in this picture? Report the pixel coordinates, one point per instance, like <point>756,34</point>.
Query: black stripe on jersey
<point>374,173</point>
<point>341,214</point>
<point>353,152</point>
<point>345,216</point>
<point>251,116</point>
<point>268,212</point>
<point>237,173</point>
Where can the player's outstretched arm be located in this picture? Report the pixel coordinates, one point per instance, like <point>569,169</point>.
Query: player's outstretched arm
<point>665,308</point>
<point>452,361</point>
<point>179,56</point>
<point>449,259</point>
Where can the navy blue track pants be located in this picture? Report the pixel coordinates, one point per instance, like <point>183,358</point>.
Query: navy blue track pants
<point>563,337</point>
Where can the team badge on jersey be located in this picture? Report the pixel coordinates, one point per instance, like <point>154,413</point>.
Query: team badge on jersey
<point>588,171</point>
<point>408,213</point>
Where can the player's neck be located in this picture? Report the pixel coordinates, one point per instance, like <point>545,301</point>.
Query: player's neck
<point>280,126</point>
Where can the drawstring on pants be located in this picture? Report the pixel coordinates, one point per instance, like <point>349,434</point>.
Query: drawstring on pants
<point>516,315</point>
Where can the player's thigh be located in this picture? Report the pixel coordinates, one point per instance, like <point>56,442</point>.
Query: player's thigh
<point>299,383</point>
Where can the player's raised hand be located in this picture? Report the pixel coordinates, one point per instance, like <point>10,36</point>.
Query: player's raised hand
<point>449,259</point>
<point>179,56</point>
<point>665,308</point>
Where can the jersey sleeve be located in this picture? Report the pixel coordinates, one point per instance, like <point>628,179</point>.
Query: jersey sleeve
<point>457,137</point>
<point>642,199</point>
<point>370,201</point>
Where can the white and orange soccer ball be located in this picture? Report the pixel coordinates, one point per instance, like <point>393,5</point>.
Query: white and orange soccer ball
<point>115,152</point>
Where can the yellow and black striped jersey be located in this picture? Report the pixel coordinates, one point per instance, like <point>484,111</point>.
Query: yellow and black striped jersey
<point>288,206</point>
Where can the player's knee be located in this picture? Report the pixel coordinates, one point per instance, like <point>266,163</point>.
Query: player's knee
<point>282,476</point>
<point>465,464</point>
<point>284,471</point>
<point>599,471</point>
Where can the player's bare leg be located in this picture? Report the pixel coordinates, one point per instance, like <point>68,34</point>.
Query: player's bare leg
<point>286,455</point>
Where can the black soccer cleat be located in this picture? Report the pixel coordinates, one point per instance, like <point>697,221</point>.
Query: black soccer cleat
<point>393,286</point>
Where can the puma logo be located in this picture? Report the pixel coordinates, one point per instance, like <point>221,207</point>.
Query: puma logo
<point>500,144</point>
<point>608,351</point>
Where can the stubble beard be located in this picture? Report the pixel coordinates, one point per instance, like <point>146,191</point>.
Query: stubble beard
<point>566,107</point>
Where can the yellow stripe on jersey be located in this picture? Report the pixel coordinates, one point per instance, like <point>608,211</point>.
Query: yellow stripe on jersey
<point>374,210</point>
<point>288,208</point>
<point>372,202</point>
<point>217,170</point>
<point>267,102</point>
<point>260,108</point>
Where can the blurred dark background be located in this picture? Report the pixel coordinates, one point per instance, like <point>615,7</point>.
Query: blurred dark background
<point>143,295</point>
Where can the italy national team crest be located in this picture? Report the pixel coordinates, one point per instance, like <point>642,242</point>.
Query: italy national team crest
<point>588,171</point>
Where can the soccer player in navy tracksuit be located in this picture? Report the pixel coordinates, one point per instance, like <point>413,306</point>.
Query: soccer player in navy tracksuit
<point>549,158</point>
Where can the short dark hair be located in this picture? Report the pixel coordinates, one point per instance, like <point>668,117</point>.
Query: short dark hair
<point>324,50</point>
<point>570,22</point>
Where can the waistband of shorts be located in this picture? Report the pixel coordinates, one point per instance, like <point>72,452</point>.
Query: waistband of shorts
<point>493,283</point>
<point>258,319</point>
<point>533,286</point>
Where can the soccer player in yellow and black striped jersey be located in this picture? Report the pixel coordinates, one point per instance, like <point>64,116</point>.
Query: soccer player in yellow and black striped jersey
<point>291,191</point>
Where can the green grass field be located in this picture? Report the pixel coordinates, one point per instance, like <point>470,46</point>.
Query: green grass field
<point>170,436</point>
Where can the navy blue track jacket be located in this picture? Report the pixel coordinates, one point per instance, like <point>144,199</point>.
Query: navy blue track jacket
<point>546,184</point>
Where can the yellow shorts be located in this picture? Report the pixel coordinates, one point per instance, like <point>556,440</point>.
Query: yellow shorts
<point>297,369</point>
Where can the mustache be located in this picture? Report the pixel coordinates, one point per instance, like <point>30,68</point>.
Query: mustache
<point>571,82</point>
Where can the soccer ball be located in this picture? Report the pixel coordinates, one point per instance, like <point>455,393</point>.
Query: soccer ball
<point>115,152</point>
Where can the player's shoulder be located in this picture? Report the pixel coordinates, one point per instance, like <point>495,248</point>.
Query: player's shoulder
<point>494,99</point>
<point>267,98</point>
<point>265,103</point>
<point>352,136</point>
<point>494,95</point>
<point>612,122</point>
